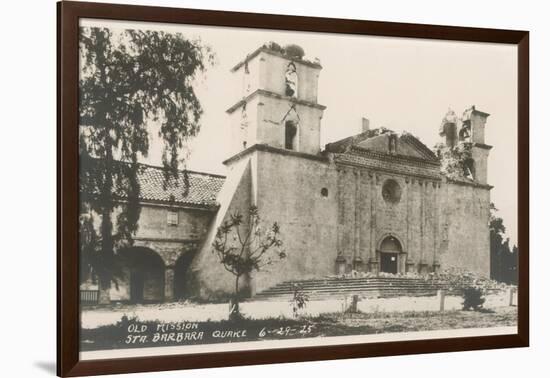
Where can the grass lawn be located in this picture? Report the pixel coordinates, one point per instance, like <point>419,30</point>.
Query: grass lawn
<point>132,333</point>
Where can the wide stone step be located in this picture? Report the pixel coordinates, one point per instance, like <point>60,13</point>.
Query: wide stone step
<point>351,283</point>
<point>364,295</point>
<point>357,291</point>
<point>367,286</point>
<point>314,287</point>
<point>351,286</point>
<point>361,279</point>
<point>339,283</point>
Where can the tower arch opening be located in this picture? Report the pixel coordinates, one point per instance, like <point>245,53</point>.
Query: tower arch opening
<point>291,131</point>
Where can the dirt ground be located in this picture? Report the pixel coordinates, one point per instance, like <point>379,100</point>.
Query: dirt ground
<point>94,317</point>
<point>155,333</point>
<point>428,321</point>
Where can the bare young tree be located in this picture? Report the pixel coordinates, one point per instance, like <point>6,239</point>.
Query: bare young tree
<point>244,246</point>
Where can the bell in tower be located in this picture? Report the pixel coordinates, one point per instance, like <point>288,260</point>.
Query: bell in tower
<point>278,105</point>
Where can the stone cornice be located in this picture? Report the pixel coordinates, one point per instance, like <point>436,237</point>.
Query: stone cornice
<point>394,171</point>
<point>263,92</point>
<point>403,159</point>
<point>473,184</point>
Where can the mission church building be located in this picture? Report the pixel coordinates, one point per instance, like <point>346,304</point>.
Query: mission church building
<point>374,202</point>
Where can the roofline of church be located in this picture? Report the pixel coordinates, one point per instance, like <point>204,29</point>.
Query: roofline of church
<point>267,50</point>
<point>179,170</point>
<point>465,183</point>
<point>281,151</point>
<point>264,92</point>
<point>350,143</point>
<point>433,177</point>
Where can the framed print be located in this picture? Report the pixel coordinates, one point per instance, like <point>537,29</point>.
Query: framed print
<point>239,188</point>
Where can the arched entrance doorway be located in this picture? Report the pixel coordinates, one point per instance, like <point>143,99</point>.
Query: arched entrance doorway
<point>182,276</point>
<point>390,251</point>
<point>143,269</point>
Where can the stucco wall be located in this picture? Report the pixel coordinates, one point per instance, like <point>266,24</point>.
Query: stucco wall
<point>271,128</point>
<point>464,226</point>
<point>289,192</point>
<point>244,130</point>
<point>192,223</point>
<point>266,112</point>
<point>266,116</point>
<point>272,76</point>
<point>169,241</point>
<point>210,279</point>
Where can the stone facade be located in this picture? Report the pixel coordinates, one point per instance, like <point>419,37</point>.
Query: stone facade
<point>374,202</point>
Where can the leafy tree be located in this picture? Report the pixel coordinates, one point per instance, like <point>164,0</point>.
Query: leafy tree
<point>503,259</point>
<point>243,246</point>
<point>128,80</point>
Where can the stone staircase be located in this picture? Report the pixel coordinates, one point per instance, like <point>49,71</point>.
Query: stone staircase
<point>364,287</point>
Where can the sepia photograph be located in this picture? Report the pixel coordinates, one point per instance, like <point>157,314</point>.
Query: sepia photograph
<point>246,189</point>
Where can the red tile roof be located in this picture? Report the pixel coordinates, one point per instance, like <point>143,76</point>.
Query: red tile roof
<point>202,188</point>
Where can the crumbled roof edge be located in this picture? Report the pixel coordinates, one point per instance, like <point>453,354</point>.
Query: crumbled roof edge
<point>346,143</point>
<point>266,49</point>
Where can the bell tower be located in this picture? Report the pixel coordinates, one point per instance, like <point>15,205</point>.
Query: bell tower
<point>278,101</point>
<point>473,131</point>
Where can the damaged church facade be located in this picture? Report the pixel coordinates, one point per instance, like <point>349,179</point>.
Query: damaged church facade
<point>374,202</point>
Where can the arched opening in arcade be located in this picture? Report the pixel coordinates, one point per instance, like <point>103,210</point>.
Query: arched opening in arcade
<point>182,276</point>
<point>143,272</point>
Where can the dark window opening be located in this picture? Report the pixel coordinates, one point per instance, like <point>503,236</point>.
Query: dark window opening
<point>391,191</point>
<point>388,263</point>
<point>290,135</point>
<point>324,192</point>
<point>469,169</point>
<point>465,133</point>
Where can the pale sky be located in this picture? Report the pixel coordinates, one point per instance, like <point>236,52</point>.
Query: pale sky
<point>401,84</point>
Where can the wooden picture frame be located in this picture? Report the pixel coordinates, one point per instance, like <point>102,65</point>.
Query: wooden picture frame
<point>68,304</point>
